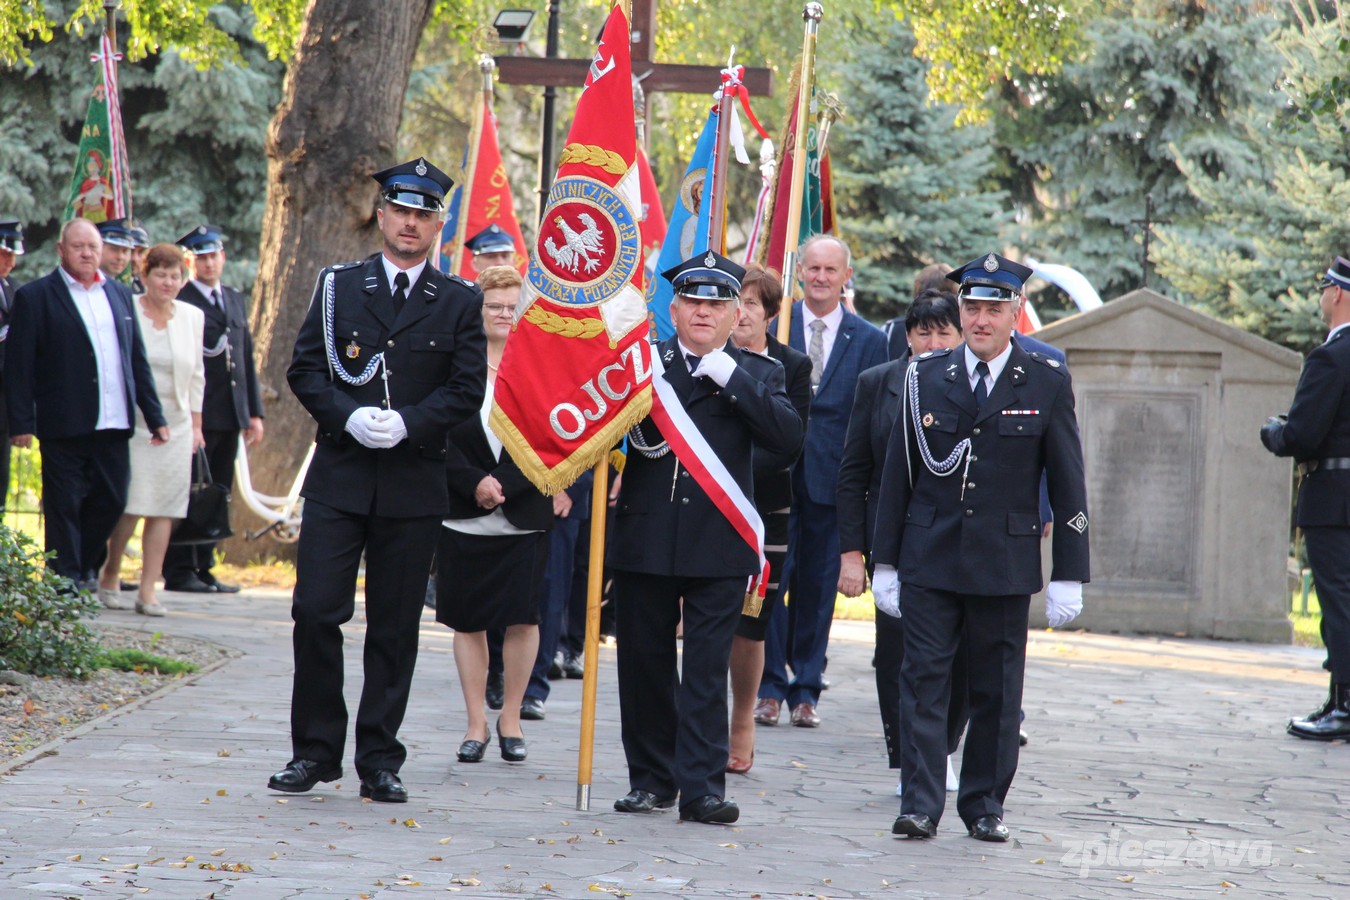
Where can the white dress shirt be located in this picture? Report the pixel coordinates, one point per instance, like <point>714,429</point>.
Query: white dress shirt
<point>218,300</point>
<point>391,270</point>
<point>832,319</point>
<point>97,314</point>
<point>995,368</point>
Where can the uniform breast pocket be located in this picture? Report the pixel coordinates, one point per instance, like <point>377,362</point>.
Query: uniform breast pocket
<point>1019,440</point>
<point>429,356</point>
<point>355,344</point>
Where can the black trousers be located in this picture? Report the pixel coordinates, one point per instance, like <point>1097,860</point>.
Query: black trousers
<point>84,491</point>
<point>995,632</point>
<point>890,656</point>
<point>675,728</point>
<point>398,557</point>
<point>1329,557</point>
<point>182,560</point>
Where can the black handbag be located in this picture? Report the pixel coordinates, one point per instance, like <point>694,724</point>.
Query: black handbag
<point>208,513</point>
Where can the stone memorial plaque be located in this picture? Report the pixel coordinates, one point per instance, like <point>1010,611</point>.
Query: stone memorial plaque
<point>1143,448</point>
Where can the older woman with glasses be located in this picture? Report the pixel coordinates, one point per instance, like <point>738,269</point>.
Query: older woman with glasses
<point>493,549</point>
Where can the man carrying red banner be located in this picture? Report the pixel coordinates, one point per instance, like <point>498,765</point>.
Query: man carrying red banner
<point>674,538</point>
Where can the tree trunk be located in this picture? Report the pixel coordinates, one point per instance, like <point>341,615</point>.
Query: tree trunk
<point>337,123</point>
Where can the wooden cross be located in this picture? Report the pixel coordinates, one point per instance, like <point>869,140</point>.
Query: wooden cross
<point>552,72</point>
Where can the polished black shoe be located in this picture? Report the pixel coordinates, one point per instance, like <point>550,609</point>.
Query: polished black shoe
<point>640,801</point>
<point>710,809</point>
<point>301,775</point>
<point>472,751</point>
<point>384,786</point>
<point>914,825</point>
<point>990,828</point>
<point>572,666</point>
<point>1022,739</point>
<point>1327,705</point>
<point>513,748</point>
<point>1333,725</point>
<point>555,667</point>
<point>188,584</point>
<point>215,585</point>
<point>496,690</point>
<point>532,708</point>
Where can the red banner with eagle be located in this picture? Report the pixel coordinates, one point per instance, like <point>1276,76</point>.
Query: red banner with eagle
<point>482,198</point>
<point>576,372</point>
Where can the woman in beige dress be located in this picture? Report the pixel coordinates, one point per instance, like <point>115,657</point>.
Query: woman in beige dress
<point>161,476</point>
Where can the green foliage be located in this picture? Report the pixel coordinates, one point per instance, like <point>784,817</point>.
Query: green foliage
<point>134,659</point>
<point>912,189</point>
<point>41,632</point>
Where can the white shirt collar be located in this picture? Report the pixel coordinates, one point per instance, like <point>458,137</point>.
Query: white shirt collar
<point>391,270</point>
<point>206,289</point>
<point>995,365</point>
<point>832,319</point>
<point>1332,333</point>
<point>71,281</point>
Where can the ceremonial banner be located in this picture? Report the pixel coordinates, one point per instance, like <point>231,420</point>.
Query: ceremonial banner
<point>817,195</point>
<point>100,188</point>
<point>576,372</point>
<point>687,233</point>
<point>481,197</point>
<point>652,215</point>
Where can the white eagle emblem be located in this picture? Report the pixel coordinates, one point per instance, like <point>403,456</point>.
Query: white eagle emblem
<point>578,246</point>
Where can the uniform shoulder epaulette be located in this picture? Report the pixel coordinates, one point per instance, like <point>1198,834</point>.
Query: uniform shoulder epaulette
<point>933,354</point>
<point>763,354</point>
<point>1047,361</point>
<point>337,267</point>
<point>752,359</point>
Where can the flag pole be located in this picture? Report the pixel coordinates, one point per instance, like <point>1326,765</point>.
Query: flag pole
<point>717,179</point>
<point>811,15</point>
<point>595,576</point>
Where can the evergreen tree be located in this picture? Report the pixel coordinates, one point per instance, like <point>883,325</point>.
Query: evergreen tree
<point>911,187</point>
<point>1161,82</point>
<point>1264,241</point>
<point>194,141</point>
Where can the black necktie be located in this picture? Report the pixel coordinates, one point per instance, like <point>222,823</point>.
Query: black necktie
<point>400,291</point>
<point>692,360</point>
<point>981,392</point>
<point>215,298</point>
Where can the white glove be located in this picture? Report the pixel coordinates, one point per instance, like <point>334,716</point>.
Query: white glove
<point>390,424</point>
<point>717,365</point>
<point>886,590</point>
<point>1063,602</point>
<point>364,425</point>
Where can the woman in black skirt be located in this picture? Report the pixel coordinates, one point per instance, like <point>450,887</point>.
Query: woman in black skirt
<point>493,549</point>
<point>761,295</point>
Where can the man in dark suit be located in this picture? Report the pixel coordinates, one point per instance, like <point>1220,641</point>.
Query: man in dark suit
<point>11,248</point>
<point>232,402</point>
<point>75,374</point>
<point>670,542</point>
<point>390,356</point>
<point>841,347</point>
<point>1316,433</point>
<point>958,526</point>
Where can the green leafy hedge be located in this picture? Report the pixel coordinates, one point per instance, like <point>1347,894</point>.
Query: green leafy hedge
<point>41,627</point>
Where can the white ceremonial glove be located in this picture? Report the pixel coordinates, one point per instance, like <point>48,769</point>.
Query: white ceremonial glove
<point>886,590</point>
<point>1063,602</point>
<point>391,425</point>
<point>717,365</point>
<point>364,425</point>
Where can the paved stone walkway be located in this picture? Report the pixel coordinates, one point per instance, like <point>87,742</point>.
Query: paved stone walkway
<point>1157,768</point>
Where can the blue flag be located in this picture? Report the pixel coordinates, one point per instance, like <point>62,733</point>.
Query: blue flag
<point>687,231</point>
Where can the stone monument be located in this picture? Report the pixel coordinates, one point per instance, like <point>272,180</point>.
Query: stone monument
<point>1189,515</point>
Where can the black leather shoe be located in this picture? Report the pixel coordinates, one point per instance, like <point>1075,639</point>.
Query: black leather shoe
<point>496,690</point>
<point>513,748</point>
<point>472,751</point>
<point>532,708</point>
<point>990,828</point>
<point>301,775</point>
<point>555,668</point>
<point>384,786</point>
<point>572,666</point>
<point>639,801</point>
<point>1022,738</point>
<point>188,584</point>
<point>711,809</point>
<point>215,585</point>
<point>1332,725</point>
<point>914,825</point>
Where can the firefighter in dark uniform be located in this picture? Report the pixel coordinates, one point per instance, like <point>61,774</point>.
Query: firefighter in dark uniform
<point>390,356</point>
<point>670,542</point>
<point>1316,433</point>
<point>11,247</point>
<point>232,402</point>
<point>957,545</point>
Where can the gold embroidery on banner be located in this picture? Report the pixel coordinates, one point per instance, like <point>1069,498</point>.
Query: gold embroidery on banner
<point>563,325</point>
<point>591,155</point>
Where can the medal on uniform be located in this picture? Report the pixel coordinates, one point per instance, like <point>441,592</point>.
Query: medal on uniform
<point>353,351</point>
<point>927,420</point>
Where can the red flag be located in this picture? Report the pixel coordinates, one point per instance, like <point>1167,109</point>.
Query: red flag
<point>653,214</point>
<point>485,200</point>
<point>576,372</point>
